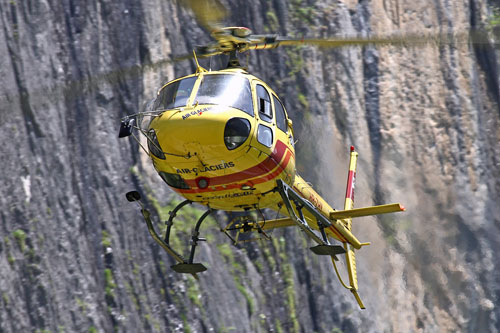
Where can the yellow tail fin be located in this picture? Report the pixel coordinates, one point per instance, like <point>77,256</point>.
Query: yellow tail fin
<point>345,217</point>
<point>350,256</point>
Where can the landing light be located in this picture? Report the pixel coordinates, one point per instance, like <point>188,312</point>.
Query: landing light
<point>202,183</point>
<point>154,145</point>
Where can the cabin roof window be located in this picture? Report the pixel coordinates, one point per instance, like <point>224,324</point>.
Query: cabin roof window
<point>226,89</point>
<point>175,94</point>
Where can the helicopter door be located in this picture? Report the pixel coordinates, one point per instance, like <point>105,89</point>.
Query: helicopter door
<point>284,132</point>
<point>264,130</point>
<point>281,120</point>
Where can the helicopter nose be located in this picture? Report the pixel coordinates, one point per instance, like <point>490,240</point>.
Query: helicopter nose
<point>203,131</point>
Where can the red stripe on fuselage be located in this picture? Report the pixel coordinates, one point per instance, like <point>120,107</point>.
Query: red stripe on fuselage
<point>249,174</point>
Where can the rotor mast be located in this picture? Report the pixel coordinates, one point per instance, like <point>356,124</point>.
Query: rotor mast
<point>233,62</point>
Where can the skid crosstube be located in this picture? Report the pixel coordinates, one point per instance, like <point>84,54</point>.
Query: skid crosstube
<point>147,217</point>
<point>289,196</point>
<point>183,265</point>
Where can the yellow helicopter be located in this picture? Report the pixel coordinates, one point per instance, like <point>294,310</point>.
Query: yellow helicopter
<point>223,139</point>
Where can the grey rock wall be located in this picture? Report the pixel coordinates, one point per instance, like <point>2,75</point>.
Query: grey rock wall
<point>76,257</point>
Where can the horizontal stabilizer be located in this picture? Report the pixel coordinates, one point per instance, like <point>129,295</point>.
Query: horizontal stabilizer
<point>366,211</point>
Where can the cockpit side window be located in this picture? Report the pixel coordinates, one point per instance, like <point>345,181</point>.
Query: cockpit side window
<point>176,94</point>
<point>226,89</point>
<point>280,114</point>
<point>264,104</point>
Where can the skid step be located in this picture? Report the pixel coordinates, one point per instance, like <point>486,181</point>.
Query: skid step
<point>327,250</point>
<point>189,268</point>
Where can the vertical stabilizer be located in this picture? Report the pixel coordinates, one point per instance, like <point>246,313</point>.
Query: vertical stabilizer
<point>349,204</point>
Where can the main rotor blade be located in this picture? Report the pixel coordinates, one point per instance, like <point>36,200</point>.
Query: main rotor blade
<point>403,40</point>
<point>75,88</point>
<point>208,13</point>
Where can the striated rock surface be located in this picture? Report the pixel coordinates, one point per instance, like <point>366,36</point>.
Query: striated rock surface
<point>76,256</point>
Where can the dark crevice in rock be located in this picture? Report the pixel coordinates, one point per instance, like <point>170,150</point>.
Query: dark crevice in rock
<point>486,56</point>
<point>12,42</point>
<point>372,96</point>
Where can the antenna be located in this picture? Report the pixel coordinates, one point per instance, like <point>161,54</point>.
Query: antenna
<point>199,69</point>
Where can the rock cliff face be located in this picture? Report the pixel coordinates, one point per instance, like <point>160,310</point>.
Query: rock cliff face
<point>76,257</point>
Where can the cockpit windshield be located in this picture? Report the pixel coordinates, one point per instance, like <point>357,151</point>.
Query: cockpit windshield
<point>226,89</point>
<point>175,95</point>
<point>221,89</point>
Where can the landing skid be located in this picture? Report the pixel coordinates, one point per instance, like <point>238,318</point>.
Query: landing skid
<point>327,250</point>
<point>294,203</point>
<point>183,266</point>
